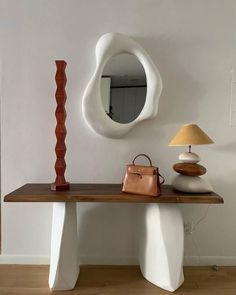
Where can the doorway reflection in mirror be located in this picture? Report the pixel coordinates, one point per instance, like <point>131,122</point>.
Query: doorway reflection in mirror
<point>123,88</point>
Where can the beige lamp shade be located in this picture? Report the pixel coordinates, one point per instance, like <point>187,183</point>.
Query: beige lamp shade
<point>190,134</point>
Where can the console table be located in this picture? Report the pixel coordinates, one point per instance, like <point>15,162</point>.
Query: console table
<point>161,241</point>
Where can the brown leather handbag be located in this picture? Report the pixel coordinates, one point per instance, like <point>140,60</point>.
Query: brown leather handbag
<point>142,180</point>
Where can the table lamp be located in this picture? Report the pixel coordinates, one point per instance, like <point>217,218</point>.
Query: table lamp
<point>189,179</point>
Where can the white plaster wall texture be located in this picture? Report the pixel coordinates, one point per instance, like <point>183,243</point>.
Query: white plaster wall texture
<point>193,44</point>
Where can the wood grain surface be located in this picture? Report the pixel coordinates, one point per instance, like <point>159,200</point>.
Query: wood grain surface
<point>189,169</point>
<point>115,280</point>
<point>40,192</point>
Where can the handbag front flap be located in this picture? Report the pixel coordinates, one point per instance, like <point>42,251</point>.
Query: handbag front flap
<point>142,170</point>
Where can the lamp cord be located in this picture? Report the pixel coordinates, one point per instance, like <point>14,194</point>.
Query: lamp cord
<point>202,218</point>
<point>194,228</point>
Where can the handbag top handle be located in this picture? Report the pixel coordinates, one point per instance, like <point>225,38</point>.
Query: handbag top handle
<point>142,155</point>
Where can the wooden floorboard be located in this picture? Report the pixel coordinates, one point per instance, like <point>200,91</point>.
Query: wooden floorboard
<point>115,280</point>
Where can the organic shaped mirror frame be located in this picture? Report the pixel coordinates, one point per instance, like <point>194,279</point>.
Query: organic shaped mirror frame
<point>109,45</point>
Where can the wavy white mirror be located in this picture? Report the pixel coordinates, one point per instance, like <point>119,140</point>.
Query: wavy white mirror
<point>124,89</point>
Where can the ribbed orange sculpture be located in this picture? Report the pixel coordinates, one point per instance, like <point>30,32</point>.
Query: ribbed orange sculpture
<point>60,183</point>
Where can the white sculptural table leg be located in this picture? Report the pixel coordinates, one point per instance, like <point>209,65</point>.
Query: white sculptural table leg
<point>64,268</point>
<point>162,246</point>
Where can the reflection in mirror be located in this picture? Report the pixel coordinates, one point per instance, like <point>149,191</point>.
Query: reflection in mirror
<point>123,88</point>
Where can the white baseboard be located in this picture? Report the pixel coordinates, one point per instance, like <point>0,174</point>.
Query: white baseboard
<point>108,260</point>
<point>24,259</point>
<point>188,260</point>
<point>210,260</point>
<point>83,259</point>
<point>86,259</point>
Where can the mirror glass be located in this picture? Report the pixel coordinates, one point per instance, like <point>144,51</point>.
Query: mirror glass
<point>123,88</point>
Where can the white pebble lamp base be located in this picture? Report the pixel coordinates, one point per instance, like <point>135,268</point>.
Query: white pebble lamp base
<point>189,157</point>
<point>191,184</point>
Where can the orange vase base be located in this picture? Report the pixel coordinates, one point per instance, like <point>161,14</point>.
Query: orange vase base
<point>60,187</point>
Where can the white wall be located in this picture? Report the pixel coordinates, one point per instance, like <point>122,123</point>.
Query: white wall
<point>193,44</point>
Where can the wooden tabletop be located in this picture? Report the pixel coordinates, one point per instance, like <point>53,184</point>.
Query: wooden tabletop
<point>40,192</point>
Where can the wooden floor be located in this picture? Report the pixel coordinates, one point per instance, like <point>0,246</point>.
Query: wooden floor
<point>115,280</point>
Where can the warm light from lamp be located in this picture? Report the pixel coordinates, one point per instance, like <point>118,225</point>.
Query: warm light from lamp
<point>190,134</point>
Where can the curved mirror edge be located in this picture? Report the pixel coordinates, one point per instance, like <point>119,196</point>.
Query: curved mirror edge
<point>108,46</point>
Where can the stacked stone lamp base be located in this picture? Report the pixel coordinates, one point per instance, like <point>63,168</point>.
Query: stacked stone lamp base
<point>188,180</point>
